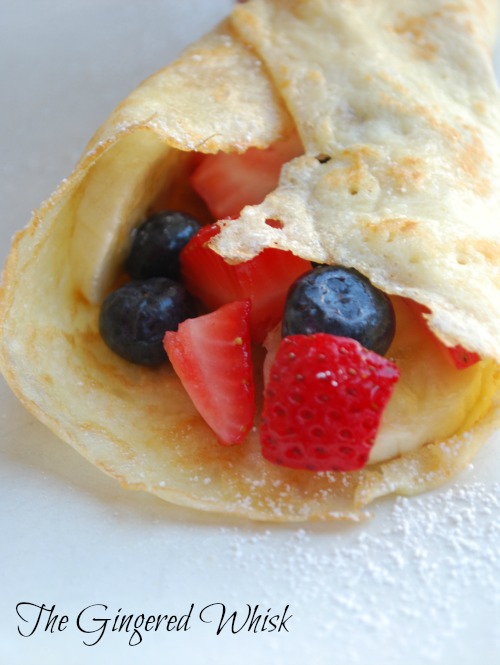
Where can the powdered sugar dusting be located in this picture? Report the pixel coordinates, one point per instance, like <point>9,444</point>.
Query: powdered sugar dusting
<point>425,565</point>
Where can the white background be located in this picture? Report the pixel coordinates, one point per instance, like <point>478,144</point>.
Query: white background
<point>419,583</point>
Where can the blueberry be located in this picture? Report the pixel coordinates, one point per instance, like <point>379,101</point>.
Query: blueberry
<point>157,243</point>
<point>343,302</point>
<point>134,318</point>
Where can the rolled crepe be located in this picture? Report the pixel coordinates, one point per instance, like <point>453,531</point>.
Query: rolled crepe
<point>401,99</point>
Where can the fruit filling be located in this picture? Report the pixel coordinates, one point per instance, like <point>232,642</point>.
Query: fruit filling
<point>264,280</point>
<point>337,347</point>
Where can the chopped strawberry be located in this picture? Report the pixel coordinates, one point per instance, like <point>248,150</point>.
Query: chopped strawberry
<point>212,357</point>
<point>463,358</point>
<point>458,355</point>
<point>229,181</point>
<point>323,403</point>
<point>264,279</point>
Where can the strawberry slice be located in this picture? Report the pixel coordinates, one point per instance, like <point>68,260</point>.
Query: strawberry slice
<point>212,357</point>
<point>264,280</point>
<point>461,357</point>
<point>229,181</point>
<point>323,403</point>
<point>458,355</point>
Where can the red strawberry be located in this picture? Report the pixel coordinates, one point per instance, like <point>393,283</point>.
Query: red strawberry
<point>264,279</point>
<point>212,357</point>
<point>463,358</point>
<point>323,403</point>
<point>460,357</point>
<point>229,181</point>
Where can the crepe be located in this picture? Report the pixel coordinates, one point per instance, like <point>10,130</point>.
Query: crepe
<point>401,99</point>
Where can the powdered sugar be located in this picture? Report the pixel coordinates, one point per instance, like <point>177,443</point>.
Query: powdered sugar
<point>425,564</point>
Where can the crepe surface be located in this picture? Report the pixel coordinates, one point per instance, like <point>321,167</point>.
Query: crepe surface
<point>403,200</point>
<point>402,97</point>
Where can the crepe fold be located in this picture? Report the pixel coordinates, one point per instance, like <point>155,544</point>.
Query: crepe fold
<point>399,101</point>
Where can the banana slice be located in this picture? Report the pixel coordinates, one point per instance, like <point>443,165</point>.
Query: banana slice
<point>113,198</point>
<point>432,400</point>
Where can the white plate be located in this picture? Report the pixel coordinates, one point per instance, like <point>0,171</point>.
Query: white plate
<point>418,584</point>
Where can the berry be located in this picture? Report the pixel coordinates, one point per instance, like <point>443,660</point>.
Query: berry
<point>134,318</point>
<point>157,243</point>
<point>264,280</point>
<point>460,357</point>
<point>228,182</point>
<point>343,302</point>
<point>323,403</point>
<point>212,357</point>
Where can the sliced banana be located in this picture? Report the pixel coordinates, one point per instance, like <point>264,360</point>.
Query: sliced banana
<point>115,197</point>
<point>432,399</point>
